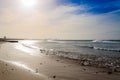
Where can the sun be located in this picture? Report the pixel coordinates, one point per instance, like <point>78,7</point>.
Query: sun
<point>29,3</point>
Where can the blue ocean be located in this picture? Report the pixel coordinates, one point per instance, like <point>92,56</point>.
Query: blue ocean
<point>75,48</point>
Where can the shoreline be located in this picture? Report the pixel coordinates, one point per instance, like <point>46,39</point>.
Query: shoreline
<point>54,67</point>
<point>111,63</point>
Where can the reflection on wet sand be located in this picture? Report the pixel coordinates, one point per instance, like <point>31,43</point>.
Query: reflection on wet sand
<point>21,65</point>
<point>18,69</point>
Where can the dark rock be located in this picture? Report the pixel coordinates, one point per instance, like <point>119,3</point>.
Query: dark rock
<point>36,70</point>
<point>84,69</point>
<point>3,72</point>
<point>40,63</point>
<point>12,69</point>
<point>96,72</point>
<point>109,72</point>
<point>64,66</point>
<point>57,60</point>
<point>54,76</point>
<point>86,63</point>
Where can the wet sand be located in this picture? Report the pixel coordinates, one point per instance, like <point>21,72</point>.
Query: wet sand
<point>21,63</point>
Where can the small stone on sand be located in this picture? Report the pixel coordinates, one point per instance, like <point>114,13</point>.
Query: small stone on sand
<point>57,60</point>
<point>36,70</point>
<point>40,63</point>
<point>84,69</point>
<point>2,72</point>
<point>54,76</point>
<point>6,64</point>
<point>109,72</point>
<point>12,69</point>
<point>96,72</point>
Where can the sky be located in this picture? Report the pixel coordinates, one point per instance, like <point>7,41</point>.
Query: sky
<point>60,19</point>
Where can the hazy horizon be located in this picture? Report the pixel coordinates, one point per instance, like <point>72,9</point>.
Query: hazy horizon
<point>60,19</point>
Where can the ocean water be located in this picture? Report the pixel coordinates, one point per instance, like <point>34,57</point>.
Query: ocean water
<point>74,48</point>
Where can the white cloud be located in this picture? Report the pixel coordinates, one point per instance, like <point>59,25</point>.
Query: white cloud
<point>51,21</point>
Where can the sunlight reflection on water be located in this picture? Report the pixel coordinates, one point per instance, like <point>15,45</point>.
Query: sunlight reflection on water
<point>28,42</point>
<point>25,49</point>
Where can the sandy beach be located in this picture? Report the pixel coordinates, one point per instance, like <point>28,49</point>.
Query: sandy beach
<point>18,62</point>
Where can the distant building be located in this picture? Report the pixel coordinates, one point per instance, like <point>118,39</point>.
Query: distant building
<point>3,39</point>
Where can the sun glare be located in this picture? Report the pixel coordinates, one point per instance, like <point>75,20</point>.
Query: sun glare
<point>29,3</point>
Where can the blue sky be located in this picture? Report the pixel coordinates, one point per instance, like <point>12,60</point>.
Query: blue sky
<point>94,6</point>
<point>60,19</point>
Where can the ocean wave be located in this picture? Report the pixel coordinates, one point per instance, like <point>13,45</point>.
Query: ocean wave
<point>106,49</point>
<point>101,48</point>
<point>105,41</point>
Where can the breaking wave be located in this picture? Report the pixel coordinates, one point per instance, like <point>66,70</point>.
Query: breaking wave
<point>106,41</point>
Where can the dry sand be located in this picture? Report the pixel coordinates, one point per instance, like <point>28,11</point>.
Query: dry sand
<point>21,63</point>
